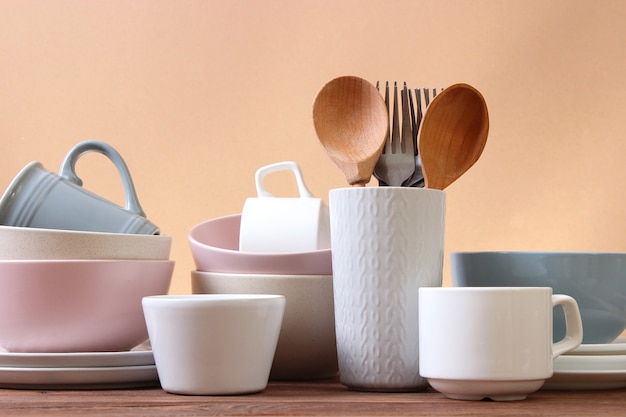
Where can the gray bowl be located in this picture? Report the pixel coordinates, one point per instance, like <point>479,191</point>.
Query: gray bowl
<point>597,281</point>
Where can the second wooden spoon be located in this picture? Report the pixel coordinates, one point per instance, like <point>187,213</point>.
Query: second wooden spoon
<point>453,134</point>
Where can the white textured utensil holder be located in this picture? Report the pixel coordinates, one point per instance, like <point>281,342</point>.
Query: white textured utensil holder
<point>387,242</point>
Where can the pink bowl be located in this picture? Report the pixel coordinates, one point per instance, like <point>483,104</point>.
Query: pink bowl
<point>215,248</point>
<point>77,305</point>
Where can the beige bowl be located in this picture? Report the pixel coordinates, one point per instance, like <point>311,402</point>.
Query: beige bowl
<point>306,345</point>
<point>77,305</point>
<point>215,248</point>
<point>34,243</point>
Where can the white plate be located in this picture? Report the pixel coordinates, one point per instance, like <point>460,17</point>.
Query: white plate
<point>78,378</point>
<point>588,372</point>
<point>618,347</point>
<point>76,360</point>
<point>586,380</point>
<point>590,363</point>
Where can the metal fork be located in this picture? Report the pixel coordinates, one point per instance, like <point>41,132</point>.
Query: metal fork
<point>397,162</point>
<point>417,179</point>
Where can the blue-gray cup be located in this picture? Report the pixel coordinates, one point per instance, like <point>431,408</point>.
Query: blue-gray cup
<point>597,281</point>
<point>41,199</point>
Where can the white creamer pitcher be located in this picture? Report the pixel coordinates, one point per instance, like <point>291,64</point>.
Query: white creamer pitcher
<point>272,224</point>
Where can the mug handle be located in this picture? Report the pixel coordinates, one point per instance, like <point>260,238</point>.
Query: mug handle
<point>573,325</point>
<point>68,170</point>
<point>280,166</point>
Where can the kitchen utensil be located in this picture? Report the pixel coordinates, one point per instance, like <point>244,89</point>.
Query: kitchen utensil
<point>453,134</point>
<point>397,161</point>
<point>351,120</point>
<point>417,179</point>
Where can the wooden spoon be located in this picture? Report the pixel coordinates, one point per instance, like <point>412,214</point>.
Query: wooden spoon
<point>453,134</point>
<point>351,121</point>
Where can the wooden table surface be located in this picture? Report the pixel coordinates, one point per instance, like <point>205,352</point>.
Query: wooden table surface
<point>317,398</point>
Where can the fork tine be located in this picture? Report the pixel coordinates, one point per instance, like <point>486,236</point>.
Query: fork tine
<point>418,101</point>
<point>407,128</point>
<point>398,162</point>
<point>414,123</point>
<point>395,133</point>
<point>426,96</point>
<point>388,148</point>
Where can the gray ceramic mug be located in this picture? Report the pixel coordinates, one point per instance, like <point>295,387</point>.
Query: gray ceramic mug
<point>40,198</point>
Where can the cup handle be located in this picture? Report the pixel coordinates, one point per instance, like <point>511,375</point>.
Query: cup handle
<point>280,166</point>
<point>68,170</point>
<point>573,325</point>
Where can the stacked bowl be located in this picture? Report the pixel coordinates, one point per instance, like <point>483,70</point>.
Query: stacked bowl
<point>73,291</point>
<point>306,346</point>
<point>74,268</point>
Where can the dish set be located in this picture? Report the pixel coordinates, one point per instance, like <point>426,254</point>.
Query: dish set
<point>74,268</point>
<point>597,281</point>
<point>306,347</point>
<point>84,283</point>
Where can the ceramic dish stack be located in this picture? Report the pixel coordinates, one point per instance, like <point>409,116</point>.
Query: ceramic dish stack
<point>596,280</point>
<point>70,307</point>
<point>590,367</point>
<point>306,345</point>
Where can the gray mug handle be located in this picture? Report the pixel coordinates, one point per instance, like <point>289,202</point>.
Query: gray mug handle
<point>68,170</point>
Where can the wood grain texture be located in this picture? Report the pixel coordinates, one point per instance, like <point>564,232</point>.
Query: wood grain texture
<point>323,398</point>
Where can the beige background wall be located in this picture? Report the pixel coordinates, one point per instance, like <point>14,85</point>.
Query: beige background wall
<point>197,95</point>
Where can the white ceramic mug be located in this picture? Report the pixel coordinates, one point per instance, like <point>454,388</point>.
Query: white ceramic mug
<point>210,344</point>
<point>39,198</point>
<point>387,242</point>
<point>492,342</point>
<point>271,224</point>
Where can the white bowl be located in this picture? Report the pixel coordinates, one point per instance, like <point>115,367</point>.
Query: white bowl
<point>214,344</point>
<point>34,243</point>
<point>215,248</point>
<point>77,305</point>
<point>306,345</point>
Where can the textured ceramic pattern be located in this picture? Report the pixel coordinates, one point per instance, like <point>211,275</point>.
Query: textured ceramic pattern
<point>386,242</point>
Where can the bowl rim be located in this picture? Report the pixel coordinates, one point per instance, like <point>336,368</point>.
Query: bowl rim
<point>64,232</point>
<point>530,252</point>
<point>236,275</point>
<point>194,241</point>
<point>81,261</point>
